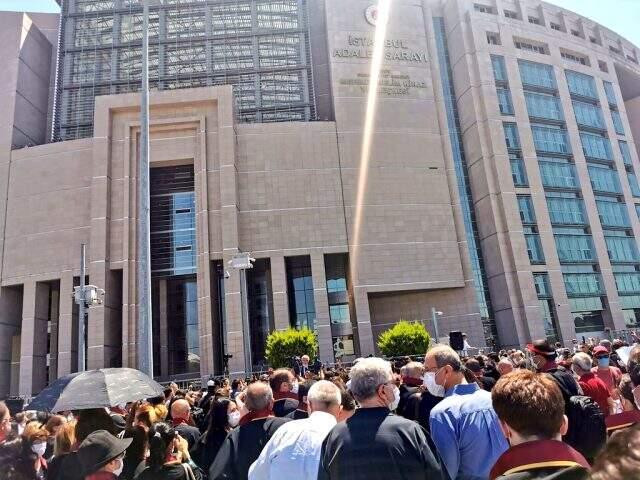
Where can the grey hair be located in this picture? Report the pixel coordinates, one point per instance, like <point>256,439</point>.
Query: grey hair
<point>445,355</point>
<point>413,370</point>
<point>582,361</point>
<point>325,393</point>
<point>367,375</point>
<point>259,396</point>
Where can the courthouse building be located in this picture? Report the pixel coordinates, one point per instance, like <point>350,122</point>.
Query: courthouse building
<point>494,178</point>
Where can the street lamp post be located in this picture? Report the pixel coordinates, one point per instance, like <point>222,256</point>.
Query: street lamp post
<point>145,339</point>
<point>242,262</point>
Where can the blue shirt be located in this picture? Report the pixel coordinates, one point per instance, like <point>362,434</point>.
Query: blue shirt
<point>467,432</point>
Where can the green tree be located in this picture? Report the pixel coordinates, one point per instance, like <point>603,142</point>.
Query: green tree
<point>281,346</point>
<point>404,338</point>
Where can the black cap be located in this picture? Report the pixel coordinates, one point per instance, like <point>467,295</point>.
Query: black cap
<point>98,449</point>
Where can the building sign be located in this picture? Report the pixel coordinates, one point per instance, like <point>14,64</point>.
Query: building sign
<point>371,14</point>
<point>394,50</point>
<point>390,84</point>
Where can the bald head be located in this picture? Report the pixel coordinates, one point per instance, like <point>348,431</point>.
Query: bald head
<point>180,409</point>
<point>259,396</point>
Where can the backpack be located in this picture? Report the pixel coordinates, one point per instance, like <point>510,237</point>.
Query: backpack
<point>587,430</point>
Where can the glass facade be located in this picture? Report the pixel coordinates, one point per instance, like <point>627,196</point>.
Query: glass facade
<point>537,75</point>
<point>566,210</point>
<point>583,284</point>
<point>617,122</point>
<point>610,92</point>
<point>622,249</point>
<point>543,105</point>
<point>302,307</point>
<point>261,47</point>
<point>633,184</point>
<point>628,283</point>
<point>604,179</point>
<point>518,172</point>
<point>558,174</point>
<point>551,140</point>
<point>499,68</point>
<point>596,146</point>
<point>337,275</point>
<point>625,152</point>
<point>582,85</point>
<point>464,189</point>
<point>511,136</point>
<point>260,300</point>
<point>588,115</point>
<point>613,214</point>
<point>504,101</point>
<point>527,213</point>
<point>574,248</point>
<point>534,247</point>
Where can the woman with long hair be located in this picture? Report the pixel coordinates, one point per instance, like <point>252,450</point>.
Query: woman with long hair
<point>136,455</point>
<point>63,444</point>
<point>223,417</point>
<point>18,461</point>
<point>168,456</point>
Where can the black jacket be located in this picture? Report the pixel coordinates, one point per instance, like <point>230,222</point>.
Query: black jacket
<point>375,444</point>
<point>409,402</point>
<point>206,449</point>
<point>189,433</point>
<point>242,447</point>
<point>284,406</point>
<point>173,471</point>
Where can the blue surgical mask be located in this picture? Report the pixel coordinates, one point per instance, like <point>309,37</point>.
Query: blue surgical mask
<point>603,362</point>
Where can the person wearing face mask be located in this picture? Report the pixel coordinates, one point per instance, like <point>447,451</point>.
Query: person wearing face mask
<point>37,436</point>
<point>224,416</point>
<point>591,385</point>
<point>530,408</point>
<point>608,374</point>
<point>101,455</point>
<point>464,426</point>
<point>285,392</point>
<point>375,444</point>
<point>5,422</point>
<point>629,418</point>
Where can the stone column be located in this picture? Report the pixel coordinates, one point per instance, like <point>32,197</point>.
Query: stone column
<point>280,293</point>
<point>365,332</point>
<point>10,317</point>
<point>323,321</point>
<point>66,345</point>
<point>33,345</point>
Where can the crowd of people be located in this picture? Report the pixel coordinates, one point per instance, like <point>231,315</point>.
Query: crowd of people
<point>544,412</point>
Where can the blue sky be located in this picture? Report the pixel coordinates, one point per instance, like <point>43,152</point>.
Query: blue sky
<point>622,16</point>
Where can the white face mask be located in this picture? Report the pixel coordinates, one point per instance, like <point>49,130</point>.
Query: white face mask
<point>396,399</point>
<point>294,388</point>
<point>39,448</point>
<point>118,470</point>
<point>233,418</point>
<point>429,381</point>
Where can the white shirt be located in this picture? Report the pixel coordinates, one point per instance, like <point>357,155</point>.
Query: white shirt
<point>293,452</point>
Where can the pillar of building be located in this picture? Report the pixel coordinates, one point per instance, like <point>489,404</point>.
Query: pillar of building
<point>10,318</point>
<point>280,293</point>
<point>363,316</point>
<point>233,327</point>
<point>67,348</point>
<point>321,300</point>
<point>33,344</point>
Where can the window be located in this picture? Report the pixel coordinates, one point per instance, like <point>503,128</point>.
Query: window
<point>582,284</point>
<point>527,213</point>
<point>483,8</point>
<point>511,14</point>
<point>534,248</point>
<point>537,74</point>
<point>628,283</point>
<point>594,40</point>
<point>622,249</point>
<point>511,136</point>
<point>302,307</point>
<point>625,152</point>
<point>493,38</point>
<point>574,248</point>
<point>542,284</point>
<point>596,146</point>
<point>588,115</point>
<point>617,122</point>
<point>604,179</point>
<point>504,101</point>
<point>615,50</point>
<point>566,211</point>
<point>555,26</point>
<point>603,66</point>
<point>575,58</point>
<point>336,271</point>
<point>531,47</point>
<point>535,20</point>
<point>633,184</point>
<point>613,214</point>
<point>518,172</point>
<point>542,105</point>
<point>581,84</point>
<point>550,140</point>
<point>611,93</point>
<point>339,313</point>
<point>576,33</point>
<point>558,175</point>
<point>499,68</point>
<point>587,322</point>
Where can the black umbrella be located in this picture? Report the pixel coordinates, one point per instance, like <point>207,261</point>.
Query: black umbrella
<point>106,387</point>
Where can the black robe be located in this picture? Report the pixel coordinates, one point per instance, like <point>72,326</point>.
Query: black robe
<point>375,444</point>
<point>242,447</point>
<point>297,415</point>
<point>284,406</point>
